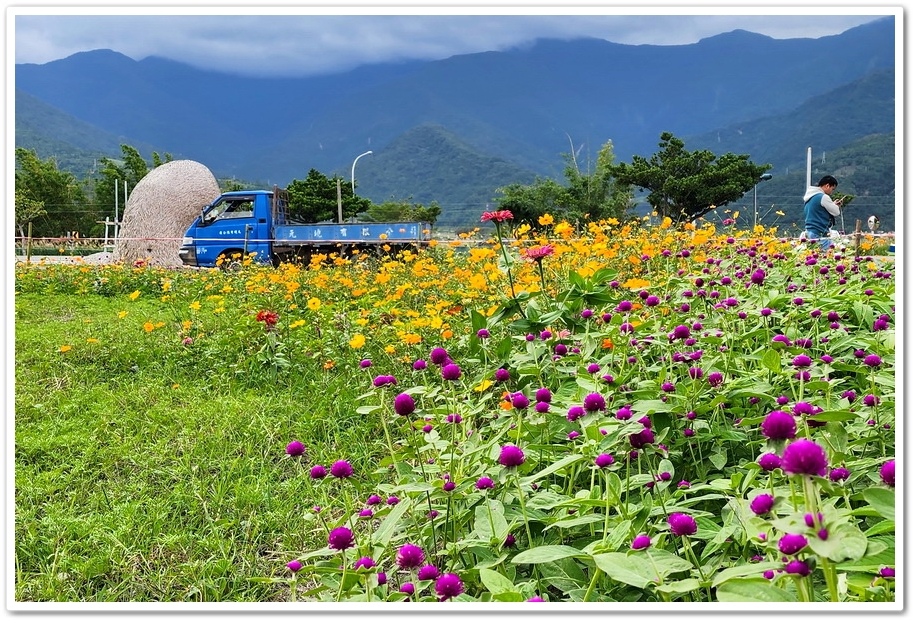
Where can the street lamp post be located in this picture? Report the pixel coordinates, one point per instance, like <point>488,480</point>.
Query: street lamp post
<point>764,177</point>
<point>353,171</point>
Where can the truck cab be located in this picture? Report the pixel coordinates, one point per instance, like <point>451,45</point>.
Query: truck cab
<point>237,223</point>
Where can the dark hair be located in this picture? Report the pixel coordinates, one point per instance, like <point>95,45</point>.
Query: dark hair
<point>828,179</point>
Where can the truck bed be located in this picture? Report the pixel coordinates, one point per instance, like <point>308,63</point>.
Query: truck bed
<point>364,233</point>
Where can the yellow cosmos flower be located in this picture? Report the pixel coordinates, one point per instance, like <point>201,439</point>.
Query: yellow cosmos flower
<point>545,220</point>
<point>484,385</point>
<point>390,349</point>
<point>195,305</point>
<point>91,340</point>
<point>122,314</point>
<point>186,325</point>
<point>358,341</point>
<point>134,295</point>
<point>314,304</point>
<point>65,348</point>
<point>296,324</point>
<point>412,338</point>
<point>148,326</point>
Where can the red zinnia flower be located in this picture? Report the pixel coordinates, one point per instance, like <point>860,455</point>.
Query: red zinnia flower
<point>499,216</point>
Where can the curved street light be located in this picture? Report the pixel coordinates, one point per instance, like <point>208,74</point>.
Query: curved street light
<point>763,178</point>
<point>353,171</point>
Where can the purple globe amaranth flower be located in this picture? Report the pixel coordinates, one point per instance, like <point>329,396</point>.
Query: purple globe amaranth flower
<point>384,380</point>
<point>511,456</point>
<point>404,404</point>
<point>295,448</point>
<point>520,401</point>
<point>762,504</point>
<point>341,469</point>
<point>642,438</point>
<point>758,276</point>
<point>407,587</point>
<point>341,538</point>
<point>448,486</point>
<point>641,542</point>
<point>392,500</point>
<point>574,413</point>
<point>623,413</point>
<point>594,402</point>
<point>451,372</point>
<point>778,426</point>
<point>318,472</point>
<point>801,361</point>
<point>294,565</point>
<point>715,379</point>
<point>870,400</point>
<point>667,386</point>
<point>365,363</point>
<point>543,395</point>
<point>483,334</point>
<point>681,524</point>
<point>449,585</point>
<point>680,332</point>
<point>791,544</point>
<point>888,473</point>
<point>804,456</point>
<point>373,500</point>
<point>428,572</point>
<point>769,461</point>
<point>872,361</point>
<point>535,598</point>
<point>838,473</point>
<point>410,556</point>
<point>364,563</point>
<point>542,407</point>
<point>886,572</point>
<point>502,375</point>
<point>484,482</point>
<point>798,567</point>
<point>604,460</point>
<point>624,306</point>
<point>438,355</point>
<point>572,434</point>
<point>695,373</point>
<point>510,540</point>
<point>419,364</point>
<point>366,513</point>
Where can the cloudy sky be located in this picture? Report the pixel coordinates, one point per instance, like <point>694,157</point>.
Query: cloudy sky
<point>296,41</point>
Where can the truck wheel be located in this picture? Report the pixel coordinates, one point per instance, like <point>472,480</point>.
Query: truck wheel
<point>229,263</point>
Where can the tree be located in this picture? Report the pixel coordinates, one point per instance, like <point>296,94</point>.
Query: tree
<point>685,185</point>
<point>27,210</point>
<point>41,182</point>
<point>394,211</point>
<point>592,195</point>
<point>131,168</point>
<point>314,199</point>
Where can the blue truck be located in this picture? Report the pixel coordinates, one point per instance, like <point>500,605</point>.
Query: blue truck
<point>256,223</point>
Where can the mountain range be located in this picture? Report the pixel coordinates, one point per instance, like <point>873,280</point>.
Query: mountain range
<point>455,130</point>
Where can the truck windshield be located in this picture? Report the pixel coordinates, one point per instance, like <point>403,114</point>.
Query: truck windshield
<point>233,207</point>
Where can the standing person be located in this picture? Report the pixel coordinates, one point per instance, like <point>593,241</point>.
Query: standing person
<point>821,210</point>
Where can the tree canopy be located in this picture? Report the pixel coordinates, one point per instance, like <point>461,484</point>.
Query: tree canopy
<point>53,199</point>
<point>314,199</point>
<point>684,185</point>
<point>587,195</point>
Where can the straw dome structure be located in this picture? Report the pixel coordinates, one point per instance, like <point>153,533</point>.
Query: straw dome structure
<point>159,210</point>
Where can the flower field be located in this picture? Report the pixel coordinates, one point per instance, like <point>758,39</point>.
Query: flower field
<point>618,413</point>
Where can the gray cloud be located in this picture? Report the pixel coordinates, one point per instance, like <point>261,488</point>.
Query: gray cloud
<point>304,44</point>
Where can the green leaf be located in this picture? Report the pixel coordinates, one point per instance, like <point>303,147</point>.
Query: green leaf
<point>771,361</point>
<point>648,407</point>
<point>882,500</point>
<point>382,536</point>
<point>743,571</point>
<point>548,553</point>
<point>576,521</point>
<point>496,582</point>
<point>482,521</point>
<point>752,589</point>
<point>845,542</point>
<point>833,416</point>
<point>550,469</point>
<point>632,570</point>
<point>680,586</point>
